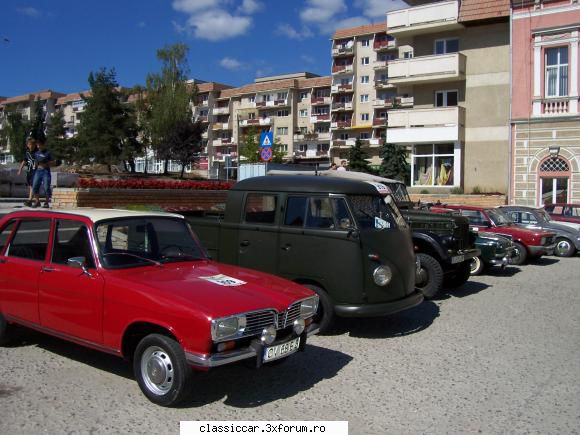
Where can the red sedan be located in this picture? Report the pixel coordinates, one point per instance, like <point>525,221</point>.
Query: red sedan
<point>138,285</point>
<point>564,212</point>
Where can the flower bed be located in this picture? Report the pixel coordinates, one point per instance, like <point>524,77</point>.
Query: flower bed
<point>143,183</point>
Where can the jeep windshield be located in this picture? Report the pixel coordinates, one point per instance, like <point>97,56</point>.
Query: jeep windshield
<point>145,241</point>
<point>376,212</point>
<point>498,217</point>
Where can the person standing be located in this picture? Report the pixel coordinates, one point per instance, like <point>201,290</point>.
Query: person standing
<point>30,164</point>
<point>44,161</point>
<point>342,166</point>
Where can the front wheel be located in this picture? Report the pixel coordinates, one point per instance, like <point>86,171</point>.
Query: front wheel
<point>476,266</point>
<point>564,248</point>
<point>520,254</point>
<point>430,276</point>
<point>161,370</point>
<point>325,314</point>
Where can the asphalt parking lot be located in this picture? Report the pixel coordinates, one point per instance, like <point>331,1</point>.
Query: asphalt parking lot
<point>499,355</point>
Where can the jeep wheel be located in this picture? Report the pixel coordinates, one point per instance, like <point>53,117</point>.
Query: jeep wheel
<point>460,276</point>
<point>429,277</point>
<point>520,254</point>
<point>325,314</point>
<point>564,247</point>
<point>476,266</point>
<point>161,370</point>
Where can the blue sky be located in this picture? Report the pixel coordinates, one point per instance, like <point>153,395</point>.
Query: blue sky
<point>55,44</point>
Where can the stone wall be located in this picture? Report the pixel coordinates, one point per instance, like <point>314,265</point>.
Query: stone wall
<point>475,200</point>
<point>122,198</point>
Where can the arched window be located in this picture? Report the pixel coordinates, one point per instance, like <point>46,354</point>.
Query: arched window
<point>554,176</point>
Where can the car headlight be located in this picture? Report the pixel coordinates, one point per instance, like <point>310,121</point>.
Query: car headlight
<point>543,241</point>
<point>308,307</point>
<point>382,275</point>
<point>227,327</point>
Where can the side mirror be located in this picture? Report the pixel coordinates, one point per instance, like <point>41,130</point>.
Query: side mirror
<point>80,263</point>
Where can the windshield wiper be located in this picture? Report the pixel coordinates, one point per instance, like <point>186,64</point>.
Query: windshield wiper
<point>180,256</point>
<point>156,263</point>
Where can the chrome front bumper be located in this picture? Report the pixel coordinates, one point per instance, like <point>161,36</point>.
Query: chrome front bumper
<point>231,356</point>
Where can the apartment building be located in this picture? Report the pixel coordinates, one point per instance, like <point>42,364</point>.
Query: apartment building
<point>360,90</point>
<point>71,105</point>
<point>545,116</point>
<point>451,83</point>
<point>25,105</point>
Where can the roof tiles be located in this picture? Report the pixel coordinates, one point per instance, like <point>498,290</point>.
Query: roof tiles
<point>477,10</point>
<point>360,30</point>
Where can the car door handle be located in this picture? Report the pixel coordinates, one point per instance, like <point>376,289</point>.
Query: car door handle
<point>286,247</point>
<point>245,243</point>
<point>48,269</point>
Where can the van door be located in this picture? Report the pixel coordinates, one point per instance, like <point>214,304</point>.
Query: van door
<point>317,243</point>
<point>258,232</point>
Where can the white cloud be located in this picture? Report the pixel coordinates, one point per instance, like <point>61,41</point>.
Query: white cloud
<point>378,8</point>
<point>290,32</point>
<point>191,6</point>
<point>230,63</point>
<point>307,59</point>
<point>320,11</point>
<point>250,6</point>
<point>264,72</point>
<point>141,24</point>
<point>29,11</point>
<point>334,25</point>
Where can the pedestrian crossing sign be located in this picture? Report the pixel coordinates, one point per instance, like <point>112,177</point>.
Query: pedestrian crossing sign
<point>266,139</point>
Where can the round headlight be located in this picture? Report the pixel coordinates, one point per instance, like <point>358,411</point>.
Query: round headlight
<point>382,275</point>
<point>308,307</point>
<point>299,326</point>
<point>268,335</point>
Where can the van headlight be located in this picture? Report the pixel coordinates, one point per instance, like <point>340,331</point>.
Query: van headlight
<point>227,327</point>
<point>308,307</point>
<point>382,275</point>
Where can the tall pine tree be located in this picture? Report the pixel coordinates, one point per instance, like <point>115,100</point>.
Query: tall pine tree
<point>357,158</point>
<point>38,127</point>
<point>56,139</point>
<point>394,164</point>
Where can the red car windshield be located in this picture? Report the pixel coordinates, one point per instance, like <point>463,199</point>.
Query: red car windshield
<point>498,217</point>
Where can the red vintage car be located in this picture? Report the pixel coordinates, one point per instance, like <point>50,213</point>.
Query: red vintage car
<point>564,212</point>
<point>527,243</point>
<point>139,285</point>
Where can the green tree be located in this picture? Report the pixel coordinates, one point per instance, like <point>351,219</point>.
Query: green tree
<point>185,142</point>
<point>15,134</point>
<point>394,163</point>
<point>251,146</point>
<point>169,97</point>
<point>103,128</point>
<point>357,158</point>
<point>38,121</point>
<point>142,113</point>
<point>56,139</point>
<point>278,152</point>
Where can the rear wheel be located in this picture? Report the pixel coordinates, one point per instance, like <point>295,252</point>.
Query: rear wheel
<point>564,248</point>
<point>476,266</point>
<point>520,254</point>
<point>461,275</point>
<point>325,314</point>
<point>429,277</point>
<point>161,370</point>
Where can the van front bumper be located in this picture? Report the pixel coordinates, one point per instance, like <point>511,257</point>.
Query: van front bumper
<point>377,310</point>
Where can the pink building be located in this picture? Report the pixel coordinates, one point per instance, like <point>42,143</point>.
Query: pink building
<point>545,114</point>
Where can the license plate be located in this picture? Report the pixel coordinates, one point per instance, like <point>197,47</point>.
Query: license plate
<point>457,259</point>
<point>281,350</point>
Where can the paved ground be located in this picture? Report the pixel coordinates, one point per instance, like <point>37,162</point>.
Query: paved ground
<point>501,355</point>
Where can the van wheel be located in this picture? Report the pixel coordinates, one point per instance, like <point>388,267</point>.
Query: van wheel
<point>4,331</point>
<point>325,314</point>
<point>476,266</point>
<point>461,275</point>
<point>162,371</point>
<point>564,248</point>
<point>520,254</point>
<point>429,277</point>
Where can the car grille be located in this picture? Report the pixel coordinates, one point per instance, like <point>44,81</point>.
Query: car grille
<point>257,321</point>
<point>461,234</point>
<point>549,241</point>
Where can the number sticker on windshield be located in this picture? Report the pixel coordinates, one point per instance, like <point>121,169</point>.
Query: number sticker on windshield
<point>224,280</point>
<point>381,224</point>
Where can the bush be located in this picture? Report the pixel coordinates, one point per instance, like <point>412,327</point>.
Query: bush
<point>476,190</point>
<point>456,191</point>
<point>424,192</point>
<point>143,183</point>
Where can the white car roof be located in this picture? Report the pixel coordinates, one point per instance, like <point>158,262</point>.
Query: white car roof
<point>99,214</point>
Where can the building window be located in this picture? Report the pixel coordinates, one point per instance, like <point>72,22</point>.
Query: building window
<point>364,116</point>
<point>251,115</point>
<point>557,72</point>
<point>303,148</point>
<point>364,79</point>
<point>343,136</point>
<point>252,99</point>
<point>364,60</point>
<point>303,113</point>
<point>364,98</point>
<point>433,165</point>
<point>282,113</point>
<point>283,147</point>
<point>303,95</point>
<point>446,98</point>
<point>282,95</point>
<point>444,46</point>
<point>345,81</point>
<point>554,174</point>
<point>281,131</point>
<point>303,130</point>
<point>365,43</point>
<point>364,136</point>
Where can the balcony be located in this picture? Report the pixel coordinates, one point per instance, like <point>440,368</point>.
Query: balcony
<point>396,102</point>
<point>203,118</point>
<point>340,89</point>
<point>341,106</point>
<point>221,110</point>
<point>437,124</point>
<point>315,137</point>
<point>384,44</point>
<point>340,124</point>
<point>249,122</point>
<point>378,141</point>
<point>379,122</point>
<point>555,106</point>
<point>320,118</point>
<point>342,69</point>
<point>344,50</point>
<point>220,157</point>
<point>316,101</point>
<point>222,142</point>
<point>428,69</point>
<point>428,18</point>
<point>383,84</point>
<point>272,103</point>
<point>220,126</point>
<point>265,121</point>
<point>379,64</point>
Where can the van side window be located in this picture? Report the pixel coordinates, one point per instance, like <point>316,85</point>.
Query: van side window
<point>30,240</point>
<point>260,208</point>
<point>5,234</point>
<point>320,214</point>
<point>343,218</point>
<point>295,211</point>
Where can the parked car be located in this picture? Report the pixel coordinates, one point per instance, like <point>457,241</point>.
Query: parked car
<point>567,238</point>
<point>340,238</point>
<point>564,212</point>
<point>443,244</point>
<point>139,285</point>
<point>495,250</point>
<point>527,243</point>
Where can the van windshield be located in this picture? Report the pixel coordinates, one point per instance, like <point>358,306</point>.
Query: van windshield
<point>374,212</point>
<point>399,192</point>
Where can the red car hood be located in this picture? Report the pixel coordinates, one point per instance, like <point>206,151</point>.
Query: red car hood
<point>200,284</point>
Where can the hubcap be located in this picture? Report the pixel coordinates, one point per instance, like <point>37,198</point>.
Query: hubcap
<point>474,264</point>
<point>422,277</point>
<point>157,370</point>
<point>563,246</point>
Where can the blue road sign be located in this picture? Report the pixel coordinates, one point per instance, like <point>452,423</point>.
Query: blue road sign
<point>266,139</point>
<point>266,153</point>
